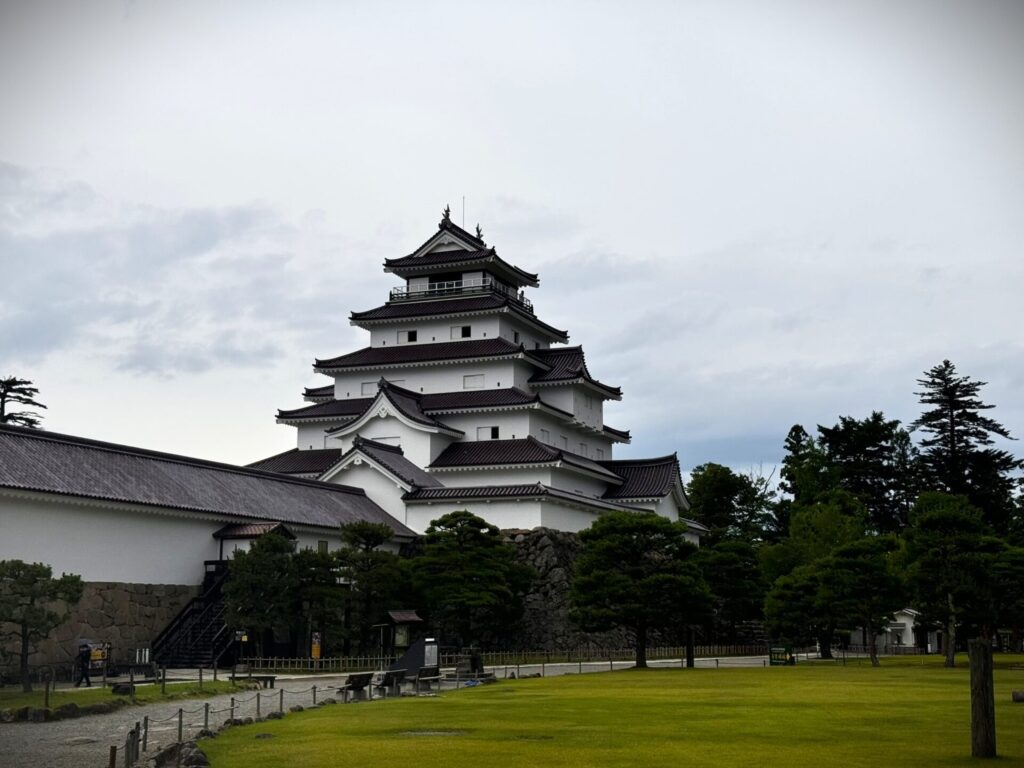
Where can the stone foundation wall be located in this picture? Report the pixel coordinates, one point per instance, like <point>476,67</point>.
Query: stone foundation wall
<point>128,616</point>
<point>546,625</point>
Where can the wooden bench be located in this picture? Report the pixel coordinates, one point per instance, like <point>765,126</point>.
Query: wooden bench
<point>357,685</point>
<point>426,675</point>
<point>390,682</point>
<point>242,672</point>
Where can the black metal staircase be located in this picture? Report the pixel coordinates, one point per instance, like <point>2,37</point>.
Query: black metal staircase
<point>197,636</point>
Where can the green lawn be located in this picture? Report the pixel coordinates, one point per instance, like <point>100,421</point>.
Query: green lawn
<point>906,713</point>
<point>13,698</point>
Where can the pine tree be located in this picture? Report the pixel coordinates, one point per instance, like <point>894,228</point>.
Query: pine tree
<point>957,453</point>
<point>15,390</point>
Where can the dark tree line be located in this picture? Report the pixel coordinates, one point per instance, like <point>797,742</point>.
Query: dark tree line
<point>873,517</point>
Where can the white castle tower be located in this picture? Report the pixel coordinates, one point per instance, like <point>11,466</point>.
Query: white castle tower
<point>461,402</point>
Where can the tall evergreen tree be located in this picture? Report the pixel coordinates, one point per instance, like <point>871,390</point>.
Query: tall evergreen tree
<point>730,504</point>
<point>870,457</point>
<point>260,590</point>
<point>806,471</point>
<point>957,453</point>
<point>15,391</point>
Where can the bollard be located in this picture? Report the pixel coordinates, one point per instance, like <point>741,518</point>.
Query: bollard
<point>131,682</point>
<point>280,698</point>
<point>232,708</point>
<point>257,703</point>
<point>112,762</point>
<point>611,664</point>
<point>181,722</point>
<point>518,674</point>
<point>314,695</point>
<point>145,733</point>
<point>163,680</point>
<point>206,716</point>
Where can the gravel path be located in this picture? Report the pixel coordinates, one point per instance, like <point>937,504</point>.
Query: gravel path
<point>85,742</point>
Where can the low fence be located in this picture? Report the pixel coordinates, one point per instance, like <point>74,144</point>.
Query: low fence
<point>342,664</point>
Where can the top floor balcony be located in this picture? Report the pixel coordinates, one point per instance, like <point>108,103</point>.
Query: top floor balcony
<point>471,287</point>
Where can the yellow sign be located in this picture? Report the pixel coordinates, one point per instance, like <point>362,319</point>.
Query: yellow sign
<point>316,646</point>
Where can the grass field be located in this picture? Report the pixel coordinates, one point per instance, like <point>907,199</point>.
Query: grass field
<point>13,698</point>
<point>906,713</point>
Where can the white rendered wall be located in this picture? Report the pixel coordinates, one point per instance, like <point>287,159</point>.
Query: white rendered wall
<point>418,446</point>
<point>575,482</point>
<point>563,517</point>
<point>436,331</point>
<point>480,477</point>
<point>504,514</point>
<point>312,436</point>
<point>104,544</point>
<point>510,424</point>
<point>379,487</point>
<point>434,378</point>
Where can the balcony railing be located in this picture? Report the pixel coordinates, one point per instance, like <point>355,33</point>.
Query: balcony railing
<point>476,285</point>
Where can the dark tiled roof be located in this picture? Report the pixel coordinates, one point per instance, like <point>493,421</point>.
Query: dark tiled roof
<point>319,393</point>
<point>411,405</point>
<point>447,225</point>
<point>480,398</point>
<point>371,357</point>
<point>404,617</point>
<point>644,478</point>
<point>329,410</point>
<point>622,434</point>
<point>483,453</point>
<point>252,530</point>
<point>525,491</point>
<point>393,459</point>
<point>436,402</point>
<point>34,460</point>
<point>412,263</point>
<point>567,364</point>
<point>296,462</point>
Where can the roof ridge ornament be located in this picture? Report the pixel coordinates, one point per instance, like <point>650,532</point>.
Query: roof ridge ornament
<point>479,232</point>
<point>446,216</point>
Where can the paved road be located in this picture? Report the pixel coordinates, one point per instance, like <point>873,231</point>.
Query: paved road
<point>85,742</point>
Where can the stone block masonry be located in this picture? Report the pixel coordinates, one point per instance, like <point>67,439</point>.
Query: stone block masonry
<point>128,616</point>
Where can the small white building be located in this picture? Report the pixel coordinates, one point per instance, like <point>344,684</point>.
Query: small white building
<point>465,399</point>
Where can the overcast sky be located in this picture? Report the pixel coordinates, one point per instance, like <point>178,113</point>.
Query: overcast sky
<point>751,214</point>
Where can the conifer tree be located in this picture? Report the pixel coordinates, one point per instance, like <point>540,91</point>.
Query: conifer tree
<point>21,392</point>
<point>957,454</point>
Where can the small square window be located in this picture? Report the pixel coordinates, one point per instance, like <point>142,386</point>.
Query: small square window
<point>407,337</point>
<point>487,433</point>
<point>368,388</point>
<point>545,436</point>
<point>462,331</point>
<point>515,336</point>
<point>583,449</point>
<point>473,381</point>
<point>321,547</point>
<point>536,345</point>
<point>564,440</point>
<point>599,453</point>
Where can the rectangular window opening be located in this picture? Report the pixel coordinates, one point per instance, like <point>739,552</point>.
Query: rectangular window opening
<point>473,381</point>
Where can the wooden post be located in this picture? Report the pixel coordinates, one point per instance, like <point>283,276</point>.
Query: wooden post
<point>112,763</point>
<point>163,680</point>
<point>983,702</point>
<point>200,678</point>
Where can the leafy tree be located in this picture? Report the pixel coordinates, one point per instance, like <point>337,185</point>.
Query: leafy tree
<point>861,588</point>
<point>469,578</point>
<point>20,391</point>
<point>32,604</point>
<point>957,456</point>
<point>260,590</point>
<point>868,457</point>
<point>375,579</point>
<point>951,557</point>
<point>731,571</point>
<point>637,570</point>
<point>730,504</point>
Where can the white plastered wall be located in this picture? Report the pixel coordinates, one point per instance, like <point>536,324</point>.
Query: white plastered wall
<point>499,374</point>
<point>436,331</point>
<point>379,487</point>
<point>418,446</point>
<point>504,514</point>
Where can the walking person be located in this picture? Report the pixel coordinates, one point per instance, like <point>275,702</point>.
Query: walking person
<point>84,658</point>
